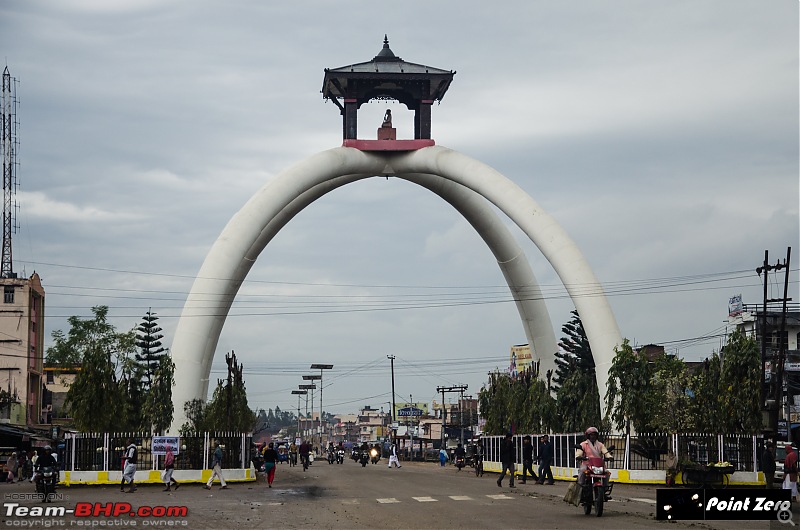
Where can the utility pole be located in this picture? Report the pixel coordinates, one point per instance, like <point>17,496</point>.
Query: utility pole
<point>299,393</point>
<point>391,359</point>
<point>778,391</point>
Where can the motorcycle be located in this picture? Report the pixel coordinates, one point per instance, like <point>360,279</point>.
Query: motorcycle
<point>363,459</point>
<point>460,462</point>
<point>593,491</point>
<point>331,457</point>
<point>46,485</point>
<point>354,455</point>
<point>340,456</point>
<point>374,456</point>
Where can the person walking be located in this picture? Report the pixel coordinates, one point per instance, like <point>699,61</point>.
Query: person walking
<point>128,466</point>
<point>527,459</point>
<point>393,456</point>
<point>442,457</point>
<point>12,465</point>
<point>545,460</point>
<point>270,462</point>
<point>508,458</point>
<point>305,450</point>
<point>216,465</point>
<point>292,454</point>
<point>790,471</point>
<point>768,465</point>
<point>169,467</point>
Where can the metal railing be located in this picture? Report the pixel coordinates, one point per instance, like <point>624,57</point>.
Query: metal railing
<point>104,451</point>
<point>645,451</point>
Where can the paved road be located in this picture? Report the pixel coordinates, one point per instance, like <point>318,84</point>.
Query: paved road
<point>349,496</point>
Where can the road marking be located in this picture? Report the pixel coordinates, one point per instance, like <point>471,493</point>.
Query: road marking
<point>390,500</point>
<point>351,501</point>
<point>649,501</point>
<point>499,497</point>
<point>460,498</point>
<point>424,499</point>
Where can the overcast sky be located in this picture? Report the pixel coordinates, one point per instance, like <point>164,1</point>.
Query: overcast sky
<point>663,136</point>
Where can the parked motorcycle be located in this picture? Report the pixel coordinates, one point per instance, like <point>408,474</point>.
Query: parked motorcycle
<point>593,491</point>
<point>340,456</point>
<point>46,485</point>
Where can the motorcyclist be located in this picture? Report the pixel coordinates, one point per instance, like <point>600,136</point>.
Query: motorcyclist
<point>591,447</point>
<point>45,460</point>
<point>460,453</point>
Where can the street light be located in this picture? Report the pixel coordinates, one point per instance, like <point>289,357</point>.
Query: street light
<point>313,378</point>
<point>320,367</point>
<point>309,387</point>
<point>299,393</point>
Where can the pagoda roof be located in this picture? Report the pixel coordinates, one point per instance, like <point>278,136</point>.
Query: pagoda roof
<point>388,67</point>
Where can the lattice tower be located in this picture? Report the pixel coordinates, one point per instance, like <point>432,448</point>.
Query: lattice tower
<point>8,148</point>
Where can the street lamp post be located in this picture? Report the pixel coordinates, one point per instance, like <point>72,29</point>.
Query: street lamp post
<point>320,367</point>
<point>309,387</point>
<point>314,378</point>
<point>299,393</point>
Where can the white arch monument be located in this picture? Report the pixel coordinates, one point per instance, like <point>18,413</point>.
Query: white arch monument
<point>446,172</point>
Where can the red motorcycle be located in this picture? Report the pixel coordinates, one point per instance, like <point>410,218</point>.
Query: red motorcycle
<point>594,492</point>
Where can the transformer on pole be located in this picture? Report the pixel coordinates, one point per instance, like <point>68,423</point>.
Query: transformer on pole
<point>8,147</point>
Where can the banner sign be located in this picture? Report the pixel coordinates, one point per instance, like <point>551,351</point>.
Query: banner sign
<point>735,306</point>
<point>160,444</point>
<point>409,411</point>
<point>521,359</point>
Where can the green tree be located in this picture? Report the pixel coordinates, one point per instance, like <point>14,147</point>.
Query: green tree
<point>158,409</point>
<point>151,352</point>
<point>577,397</point>
<point>628,388</point>
<point>740,382</point>
<point>668,399</point>
<point>227,410</point>
<point>96,400</point>
<point>705,387</point>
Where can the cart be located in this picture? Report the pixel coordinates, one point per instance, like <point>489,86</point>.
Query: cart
<point>705,476</point>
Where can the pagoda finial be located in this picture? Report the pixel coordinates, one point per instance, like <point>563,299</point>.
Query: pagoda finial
<point>385,40</point>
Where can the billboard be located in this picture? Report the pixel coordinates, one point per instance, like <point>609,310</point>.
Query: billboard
<point>400,412</point>
<point>735,306</point>
<point>521,359</point>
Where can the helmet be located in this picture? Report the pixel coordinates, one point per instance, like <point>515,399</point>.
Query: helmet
<point>48,448</point>
<point>591,430</point>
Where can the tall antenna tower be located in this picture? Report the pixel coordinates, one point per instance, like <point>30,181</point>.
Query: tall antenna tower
<point>8,149</point>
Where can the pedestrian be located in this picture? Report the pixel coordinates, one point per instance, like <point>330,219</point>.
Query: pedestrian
<point>545,460</point>
<point>129,467</point>
<point>22,462</point>
<point>442,457</point>
<point>393,456</point>
<point>270,462</point>
<point>790,471</point>
<point>527,459</point>
<point>12,465</point>
<point>216,466</point>
<point>169,467</point>
<point>768,465</point>
<point>305,458</point>
<point>508,458</point>
<point>293,454</point>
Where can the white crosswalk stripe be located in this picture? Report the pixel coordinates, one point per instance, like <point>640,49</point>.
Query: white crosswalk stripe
<point>425,499</point>
<point>499,497</point>
<point>649,501</point>
<point>460,497</point>
<point>390,500</point>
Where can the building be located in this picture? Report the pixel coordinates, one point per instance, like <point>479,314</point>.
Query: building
<point>765,327</point>
<point>372,424</point>
<point>21,350</point>
<point>57,380</point>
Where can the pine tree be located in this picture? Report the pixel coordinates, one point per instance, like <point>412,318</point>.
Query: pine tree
<point>148,340</point>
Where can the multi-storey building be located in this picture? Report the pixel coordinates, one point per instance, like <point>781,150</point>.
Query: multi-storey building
<point>21,350</point>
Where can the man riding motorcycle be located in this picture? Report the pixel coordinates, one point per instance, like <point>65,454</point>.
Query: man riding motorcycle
<point>591,447</point>
<point>45,459</point>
